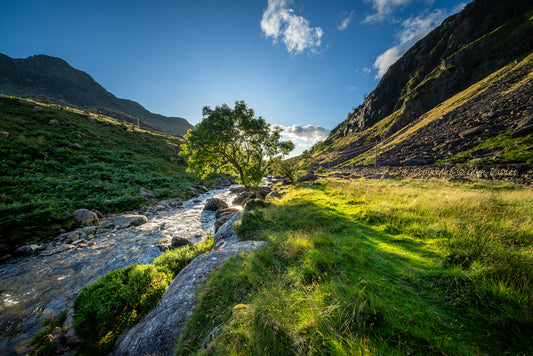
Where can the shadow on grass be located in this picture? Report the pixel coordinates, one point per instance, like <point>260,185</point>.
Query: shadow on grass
<point>407,302</point>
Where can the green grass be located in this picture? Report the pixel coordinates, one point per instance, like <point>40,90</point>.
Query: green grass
<point>514,150</point>
<point>377,267</point>
<point>43,178</point>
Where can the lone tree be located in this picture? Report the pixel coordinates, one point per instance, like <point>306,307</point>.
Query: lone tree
<point>234,141</point>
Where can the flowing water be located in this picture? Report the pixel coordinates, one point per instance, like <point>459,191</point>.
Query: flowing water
<point>40,286</point>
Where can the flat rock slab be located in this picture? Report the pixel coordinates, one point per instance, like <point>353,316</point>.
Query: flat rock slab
<point>127,220</point>
<point>159,330</point>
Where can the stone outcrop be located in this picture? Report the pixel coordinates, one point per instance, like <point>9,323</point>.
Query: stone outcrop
<point>158,331</point>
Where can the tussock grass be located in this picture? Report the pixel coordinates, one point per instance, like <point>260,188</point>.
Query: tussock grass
<point>377,267</point>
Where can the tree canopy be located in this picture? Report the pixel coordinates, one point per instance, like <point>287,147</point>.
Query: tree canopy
<point>234,141</point>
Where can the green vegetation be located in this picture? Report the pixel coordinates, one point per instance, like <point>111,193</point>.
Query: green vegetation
<point>514,150</point>
<point>109,305</point>
<point>234,141</point>
<point>377,267</point>
<point>45,177</point>
<point>42,342</point>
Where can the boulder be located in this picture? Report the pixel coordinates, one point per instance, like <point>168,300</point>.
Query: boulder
<point>239,199</point>
<point>85,217</point>
<point>174,160</point>
<point>224,218</point>
<point>309,177</point>
<point>147,193</point>
<point>264,191</point>
<point>4,134</point>
<point>228,211</point>
<point>224,182</point>
<point>157,332</point>
<point>53,122</point>
<point>273,195</point>
<point>415,161</point>
<point>486,152</point>
<point>238,189</point>
<point>76,146</point>
<point>129,219</point>
<point>173,148</point>
<point>27,250</point>
<point>286,181</point>
<point>226,235</point>
<point>214,204</point>
<point>179,242</point>
<point>475,131</point>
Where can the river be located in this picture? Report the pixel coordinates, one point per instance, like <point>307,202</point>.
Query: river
<point>40,286</point>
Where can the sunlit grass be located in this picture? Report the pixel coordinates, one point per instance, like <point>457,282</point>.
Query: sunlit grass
<point>377,267</point>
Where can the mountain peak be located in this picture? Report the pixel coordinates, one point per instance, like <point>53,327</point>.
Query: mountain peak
<point>54,77</point>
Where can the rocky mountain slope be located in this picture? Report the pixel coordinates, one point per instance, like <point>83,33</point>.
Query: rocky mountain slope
<point>461,94</point>
<point>55,78</point>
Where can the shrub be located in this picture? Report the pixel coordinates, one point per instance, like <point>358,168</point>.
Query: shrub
<point>106,307</point>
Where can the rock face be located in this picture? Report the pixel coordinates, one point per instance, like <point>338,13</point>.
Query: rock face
<point>465,49</point>
<point>85,217</point>
<point>158,331</point>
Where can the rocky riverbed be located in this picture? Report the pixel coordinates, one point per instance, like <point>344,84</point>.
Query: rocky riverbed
<point>45,282</point>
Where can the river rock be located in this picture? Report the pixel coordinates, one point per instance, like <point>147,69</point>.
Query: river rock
<point>129,219</point>
<point>28,249</point>
<point>224,218</point>
<point>273,195</point>
<point>238,189</point>
<point>263,192</point>
<point>156,334</point>
<point>85,217</point>
<point>224,182</point>
<point>226,235</point>
<point>214,204</point>
<point>239,199</point>
<point>179,242</point>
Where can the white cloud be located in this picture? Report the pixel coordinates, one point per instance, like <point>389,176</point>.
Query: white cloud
<point>412,30</point>
<point>385,60</point>
<point>306,133</point>
<point>345,20</point>
<point>383,8</point>
<point>279,21</point>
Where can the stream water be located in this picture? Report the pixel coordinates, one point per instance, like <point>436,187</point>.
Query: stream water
<point>36,287</point>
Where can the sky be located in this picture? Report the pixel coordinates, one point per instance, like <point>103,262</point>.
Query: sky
<point>303,65</point>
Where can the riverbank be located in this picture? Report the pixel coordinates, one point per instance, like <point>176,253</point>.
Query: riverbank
<point>41,285</point>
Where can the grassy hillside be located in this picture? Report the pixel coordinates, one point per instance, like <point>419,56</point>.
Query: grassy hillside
<point>49,170</point>
<point>55,78</point>
<point>377,267</point>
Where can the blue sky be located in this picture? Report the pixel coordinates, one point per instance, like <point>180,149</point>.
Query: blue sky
<point>300,64</point>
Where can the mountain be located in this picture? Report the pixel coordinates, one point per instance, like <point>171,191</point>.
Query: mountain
<point>473,72</point>
<point>55,78</point>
